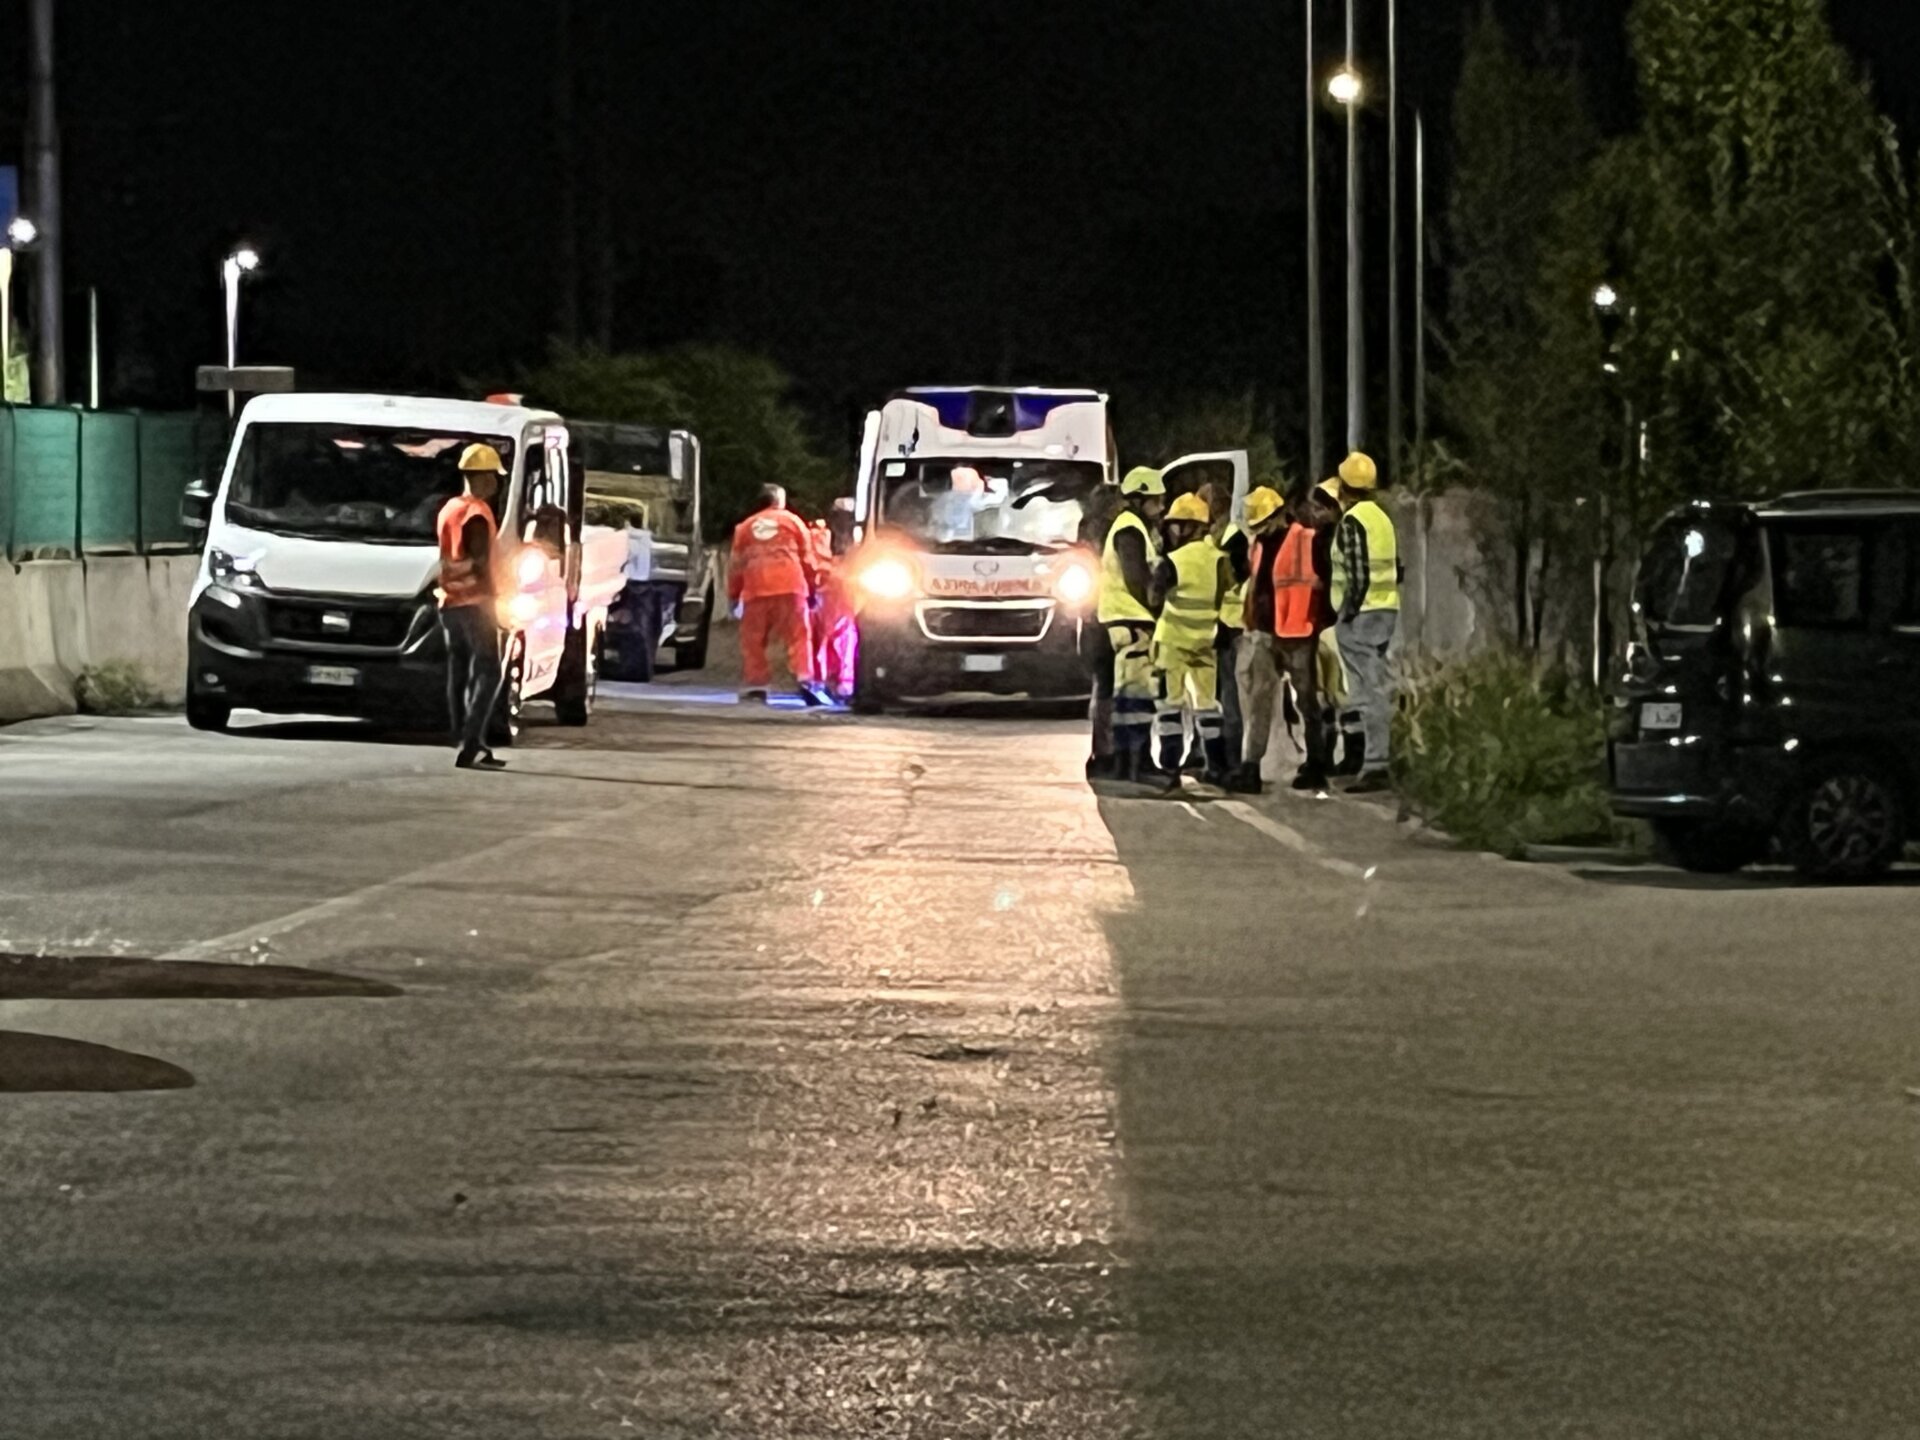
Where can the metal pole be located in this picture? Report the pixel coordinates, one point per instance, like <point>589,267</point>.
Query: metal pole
<point>230,279</point>
<point>1420,298</point>
<point>93,347</point>
<point>51,339</point>
<point>1316,358</point>
<point>6,323</point>
<point>1356,343</point>
<point>1396,439</point>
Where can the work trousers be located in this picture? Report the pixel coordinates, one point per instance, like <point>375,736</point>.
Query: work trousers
<point>1186,687</point>
<point>1364,643</point>
<point>769,617</point>
<point>1226,646</point>
<point>837,651</point>
<point>1132,644</point>
<point>1266,662</point>
<point>1096,652</point>
<point>475,644</point>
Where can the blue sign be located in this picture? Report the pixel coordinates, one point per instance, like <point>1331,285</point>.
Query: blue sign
<point>9,194</point>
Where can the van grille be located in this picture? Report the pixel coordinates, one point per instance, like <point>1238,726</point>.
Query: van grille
<point>986,622</point>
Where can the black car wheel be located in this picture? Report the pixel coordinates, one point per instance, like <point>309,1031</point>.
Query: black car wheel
<point>868,696</point>
<point>504,729</point>
<point>579,676</point>
<point>207,712</point>
<point>1848,823</point>
<point>692,654</point>
<point>1708,847</point>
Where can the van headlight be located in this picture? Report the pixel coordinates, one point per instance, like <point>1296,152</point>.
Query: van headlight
<point>238,571</point>
<point>887,578</point>
<point>1074,584</point>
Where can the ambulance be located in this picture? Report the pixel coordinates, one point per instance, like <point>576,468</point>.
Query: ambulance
<point>981,511</point>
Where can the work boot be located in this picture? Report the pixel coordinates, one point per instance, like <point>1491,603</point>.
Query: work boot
<point>753,693</point>
<point>1371,782</point>
<point>813,697</point>
<point>1195,762</point>
<point>1170,767</point>
<point>1309,779</point>
<point>1353,754</point>
<point>1246,779</point>
<point>1102,767</point>
<point>1218,770</point>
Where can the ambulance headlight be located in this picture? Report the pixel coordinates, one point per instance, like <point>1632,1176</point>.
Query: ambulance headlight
<point>521,611</point>
<point>1074,584</point>
<point>531,567</point>
<point>238,571</point>
<point>887,578</point>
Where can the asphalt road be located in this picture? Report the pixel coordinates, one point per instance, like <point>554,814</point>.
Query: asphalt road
<point>724,1073</point>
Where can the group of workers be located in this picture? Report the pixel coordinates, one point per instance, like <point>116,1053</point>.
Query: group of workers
<point>1205,623</point>
<point>788,581</point>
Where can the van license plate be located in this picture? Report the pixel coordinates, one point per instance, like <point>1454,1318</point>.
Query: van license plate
<point>1664,715</point>
<point>332,675</point>
<point>983,664</point>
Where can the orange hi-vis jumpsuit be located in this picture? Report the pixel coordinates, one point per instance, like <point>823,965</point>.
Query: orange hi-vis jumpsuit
<point>773,573</point>
<point>836,630</point>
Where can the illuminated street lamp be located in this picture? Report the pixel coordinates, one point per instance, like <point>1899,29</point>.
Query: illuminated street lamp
<point>1346,87</point>
<point>244,260</point>
<point>21,235</point>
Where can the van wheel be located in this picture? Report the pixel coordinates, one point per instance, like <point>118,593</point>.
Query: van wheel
<point>1848,823</point>
<point>1707,847</point>
<point>693,654</point>
<point>579,681</point>
<point>869,698</point>
<point>508,712</point>
<point>204,712</point>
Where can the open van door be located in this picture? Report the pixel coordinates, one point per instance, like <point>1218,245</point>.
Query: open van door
<point>1190,472</point>
<point>863,479</point>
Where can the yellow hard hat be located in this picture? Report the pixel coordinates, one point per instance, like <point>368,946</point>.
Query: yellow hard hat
<point>1191,507</point>
<point>1143,480</point>
<point>1358,472</point>
<point>481,457</point>
<point>1262,504</point>
<point>1330,488</point>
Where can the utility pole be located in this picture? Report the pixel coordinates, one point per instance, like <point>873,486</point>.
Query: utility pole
<point>567,258</point>
<point>1316,358</point>
<point>1396,439</point>
<point>51,341</point>
<point>1356,337</point>
<point>1420,299</point>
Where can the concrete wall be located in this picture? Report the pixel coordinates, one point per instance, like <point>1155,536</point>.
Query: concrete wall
<point>61,617</point>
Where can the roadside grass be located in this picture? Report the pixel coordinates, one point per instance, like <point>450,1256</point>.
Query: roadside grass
<point>115,688</point>
<point>1503,754</point>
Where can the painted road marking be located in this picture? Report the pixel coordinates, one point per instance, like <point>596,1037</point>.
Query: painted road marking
<point>1292,839</point>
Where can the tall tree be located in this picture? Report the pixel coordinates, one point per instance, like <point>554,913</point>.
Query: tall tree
<point>1520,396</point>
<point>1767,244</point>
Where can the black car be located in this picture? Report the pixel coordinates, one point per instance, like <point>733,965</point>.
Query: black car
<point>1772,693</point>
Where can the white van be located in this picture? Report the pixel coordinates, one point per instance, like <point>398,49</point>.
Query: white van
<point>316,588</point>
<point>981,511</point>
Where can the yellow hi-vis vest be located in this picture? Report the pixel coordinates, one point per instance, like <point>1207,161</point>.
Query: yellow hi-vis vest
<point>1233,604</point>
<point>1383,561</point>
<point>1192,607</point>
<point>1116,601</point>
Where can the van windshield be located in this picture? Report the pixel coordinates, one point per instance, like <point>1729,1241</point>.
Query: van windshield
<point>348,482</point>
<point>1005,505</point>
<point>1684,573</point>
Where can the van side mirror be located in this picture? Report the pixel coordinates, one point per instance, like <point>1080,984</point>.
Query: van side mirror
<point>196,508</point>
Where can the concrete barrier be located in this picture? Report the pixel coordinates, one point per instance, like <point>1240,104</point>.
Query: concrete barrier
<point>59,618</point>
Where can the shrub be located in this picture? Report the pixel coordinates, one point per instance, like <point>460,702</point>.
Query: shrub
<point>114,688</point>
<point>1503,754</point>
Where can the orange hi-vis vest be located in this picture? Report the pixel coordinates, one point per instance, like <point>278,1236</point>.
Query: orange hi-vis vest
<point>1296,600</point>
<point>462,581</point>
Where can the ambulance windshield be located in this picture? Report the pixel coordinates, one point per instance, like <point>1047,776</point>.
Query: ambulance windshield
<point>993,505</point>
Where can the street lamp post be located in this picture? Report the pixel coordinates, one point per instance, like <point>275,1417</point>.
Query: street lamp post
<point>243,261</point>
<point>1609,311</point>
<point>1316,356</point>
<point>1347,88</point>
<point>21,235</point>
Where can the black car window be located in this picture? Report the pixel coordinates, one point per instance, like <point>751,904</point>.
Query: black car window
<point>1898,560</point>
<point>1819,575</point>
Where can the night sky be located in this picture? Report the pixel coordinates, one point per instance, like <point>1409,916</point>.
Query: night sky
<point>1072,191</point>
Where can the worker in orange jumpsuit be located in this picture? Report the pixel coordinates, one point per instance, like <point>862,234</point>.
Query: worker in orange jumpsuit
<point>771,582</point>
<point>835,633</point>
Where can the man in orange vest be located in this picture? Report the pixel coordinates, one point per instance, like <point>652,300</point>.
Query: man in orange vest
<point>469,617</point>
<point>1286,611</point>
<point>770,581</point>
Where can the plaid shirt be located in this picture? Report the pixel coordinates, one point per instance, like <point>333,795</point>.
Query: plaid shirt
<point>1351,541</point>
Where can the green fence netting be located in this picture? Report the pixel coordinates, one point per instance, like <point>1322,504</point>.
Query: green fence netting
<point>76,482</point>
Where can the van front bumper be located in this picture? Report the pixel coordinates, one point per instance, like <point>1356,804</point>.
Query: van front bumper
<point>243,656</point>
<point>905,663</point>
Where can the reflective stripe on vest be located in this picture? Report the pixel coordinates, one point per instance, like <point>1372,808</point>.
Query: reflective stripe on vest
<point>461,581</point>
<point>1116,601</point>
<point>1233,604</point>
<point>1293,585</point>
<point>1383,560</point>
<point>1192,607</point>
